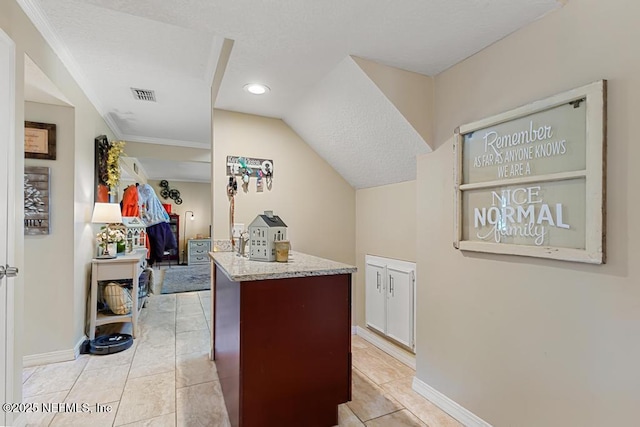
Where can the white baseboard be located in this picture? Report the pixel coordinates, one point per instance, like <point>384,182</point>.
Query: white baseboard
<point>466,417</point>
<point>54,356</point>
<point>354,330</point>
<point>388,347</point>
<point>76,348</point>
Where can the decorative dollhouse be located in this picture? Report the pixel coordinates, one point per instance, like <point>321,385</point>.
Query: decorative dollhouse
<point>135,231</point>
<point>264,232</point>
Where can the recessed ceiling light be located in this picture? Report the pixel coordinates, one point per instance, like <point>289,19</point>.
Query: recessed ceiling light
<point>256,88</point>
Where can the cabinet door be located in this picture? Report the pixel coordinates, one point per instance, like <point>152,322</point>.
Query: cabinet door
<point>399,296</point>
<point>174,223</point>
<point>375,296</point>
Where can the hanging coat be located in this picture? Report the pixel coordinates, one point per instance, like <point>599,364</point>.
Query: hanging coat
<point>159,234</point>
<point>130,205</point>
<point>151,210</point>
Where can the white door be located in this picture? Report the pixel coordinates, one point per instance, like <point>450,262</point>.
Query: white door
<point>400,305</point>
<point>7,166</point>
<point>375,306</point>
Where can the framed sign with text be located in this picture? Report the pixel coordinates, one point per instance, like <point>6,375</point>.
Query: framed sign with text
<point>531,181</point>
<point>36,200</point>
<point>39,141</point>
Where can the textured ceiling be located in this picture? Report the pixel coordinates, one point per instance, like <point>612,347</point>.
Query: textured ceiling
<point>296,47</point>
<point>368,150</point>
<point>115,51</point>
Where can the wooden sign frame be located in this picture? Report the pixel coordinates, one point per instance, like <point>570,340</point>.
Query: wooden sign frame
<point>36,200</point>
<point>591,177</point>
<point>39,141</point>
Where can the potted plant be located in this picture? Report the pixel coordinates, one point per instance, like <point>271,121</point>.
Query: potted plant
<point>108,240</point>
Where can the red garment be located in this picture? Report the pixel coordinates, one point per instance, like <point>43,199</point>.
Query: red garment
<point>130,207</point>
<point>130,202</point>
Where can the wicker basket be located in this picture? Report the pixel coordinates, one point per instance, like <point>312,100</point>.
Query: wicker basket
<point>118,298</point>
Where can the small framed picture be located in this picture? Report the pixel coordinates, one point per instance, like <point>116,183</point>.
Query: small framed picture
<point>39,141</point>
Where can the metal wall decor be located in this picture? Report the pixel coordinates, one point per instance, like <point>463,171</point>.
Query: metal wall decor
<point>170,193</point>
<point>248,167</point>
<point>237,165</point>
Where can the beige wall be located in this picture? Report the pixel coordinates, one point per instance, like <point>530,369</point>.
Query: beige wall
<point>411,93</point>
<point>523,341</point>
<point>316,203</point>
<point>87,125</point>
<point>196,197</point>
<point>385,226</point>
<point>48,296</point>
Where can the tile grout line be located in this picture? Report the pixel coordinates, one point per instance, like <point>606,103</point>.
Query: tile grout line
<point>68,391</point>
<point>356,415</point>
<point>86,367</point>
<point>126,380</point>
<point>379,385</point>
<point>391,392</point>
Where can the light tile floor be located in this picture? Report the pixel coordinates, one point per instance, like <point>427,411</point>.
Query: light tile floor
<point>167,379</point>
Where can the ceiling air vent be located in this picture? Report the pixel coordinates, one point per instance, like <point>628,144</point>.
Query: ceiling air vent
<point>144,94</point>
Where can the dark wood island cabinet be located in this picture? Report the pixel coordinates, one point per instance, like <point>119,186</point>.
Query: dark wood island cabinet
<point>282,339</point>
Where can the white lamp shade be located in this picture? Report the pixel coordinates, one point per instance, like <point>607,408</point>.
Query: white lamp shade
<point>106,213</point>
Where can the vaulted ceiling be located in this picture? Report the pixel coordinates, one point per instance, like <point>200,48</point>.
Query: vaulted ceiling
<point>302,49</point>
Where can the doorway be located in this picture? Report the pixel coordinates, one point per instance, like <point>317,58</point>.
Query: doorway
<point>7,201</point>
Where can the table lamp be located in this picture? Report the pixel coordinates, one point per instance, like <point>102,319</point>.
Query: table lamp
<point>106,213</point>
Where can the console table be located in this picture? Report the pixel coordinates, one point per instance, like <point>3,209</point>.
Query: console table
<point>124,267</point>
<point>282,339</point>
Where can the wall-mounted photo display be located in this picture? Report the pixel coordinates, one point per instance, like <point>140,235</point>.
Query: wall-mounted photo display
<point>36,200</point>
<point>236,165</point>
<point>39,141</point>
<point>247,167</point>
<point>531,181</point>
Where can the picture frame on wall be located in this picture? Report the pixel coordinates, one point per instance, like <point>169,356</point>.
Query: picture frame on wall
<point>101,174</point>
<point>36,200</point>
<point>530,181</point>
<point>39,140</point>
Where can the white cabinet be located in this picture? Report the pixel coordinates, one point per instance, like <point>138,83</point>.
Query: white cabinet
<point>376,298</point>
<point>390,295</point>
<point>198,251</point>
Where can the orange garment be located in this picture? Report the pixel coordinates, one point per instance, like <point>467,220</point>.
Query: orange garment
<point>103,193</point>
<point>130,207</point>
<point>130,202</point>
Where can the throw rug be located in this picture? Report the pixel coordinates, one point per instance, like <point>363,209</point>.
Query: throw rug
<point>186,278</point>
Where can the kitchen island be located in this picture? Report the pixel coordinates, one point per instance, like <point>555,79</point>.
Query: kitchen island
<point>282,339</point>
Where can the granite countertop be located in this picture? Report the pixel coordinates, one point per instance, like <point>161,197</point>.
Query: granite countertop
<point>241,269</point>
